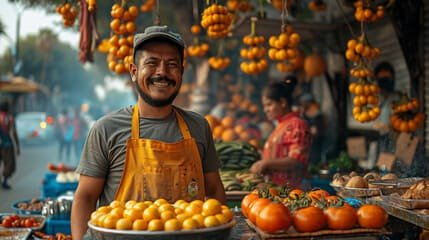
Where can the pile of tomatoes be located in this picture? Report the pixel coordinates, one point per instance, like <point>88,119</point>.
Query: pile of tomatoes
<point>160,215</point>
<point>15,221</point>
<point>309,212</point>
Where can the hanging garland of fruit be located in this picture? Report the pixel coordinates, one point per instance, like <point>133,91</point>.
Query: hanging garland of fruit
<point>317,5</point>
<point>361,53</point>
<point>197,49</point>
<point>219,62</point>
<point>216,20</point>
<point>406,116</point>
<point>239,5</point>
<point>91,5</point>
<point>254,52</point>
<point>283,48</point>
<point>147,6</point>
<point>121,41</point>
<point>68,13</point>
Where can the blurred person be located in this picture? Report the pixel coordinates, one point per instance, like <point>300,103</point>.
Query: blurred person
<point>313,115</point>
<point>285,154</point>
<point>9,145</point>
<point>64,134</point>
<point>151,150</point>
<point>385,76</point>
<point>80,128</point>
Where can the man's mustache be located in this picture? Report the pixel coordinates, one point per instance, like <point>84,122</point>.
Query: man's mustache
<point>162,78</point>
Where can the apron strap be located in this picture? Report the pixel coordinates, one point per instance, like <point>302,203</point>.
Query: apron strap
<point>183,126</point>
<point>135,124</point>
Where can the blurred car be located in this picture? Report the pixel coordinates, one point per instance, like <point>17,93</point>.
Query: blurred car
<point>35,127</point>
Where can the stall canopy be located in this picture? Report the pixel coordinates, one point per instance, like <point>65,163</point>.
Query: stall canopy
<point>18,84</point>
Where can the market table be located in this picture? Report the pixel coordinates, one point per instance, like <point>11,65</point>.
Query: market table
<point>411,216</point>
<point>242,231</point>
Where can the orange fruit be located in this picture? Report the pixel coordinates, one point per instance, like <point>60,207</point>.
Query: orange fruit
<point>150,213</point>
<point>139,225</point>
<point>211,207</point>
<point>124,224</point>
<point>166,215</point>
<point>229,135</point>
<point>172,225</point>
<point>211,221</point>
<point>228,122</point>
<point>155,225</point>
<point>139,206</point>
<point>132,214</point>
<point>189,224</point>
<point>110,221</point>
<point>117,211</point>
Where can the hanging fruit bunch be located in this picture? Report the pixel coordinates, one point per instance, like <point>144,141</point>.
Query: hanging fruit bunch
<point>216,20</point>
<point>254,54</point>
<point>406,116</point>
<point>197,49</point>
<point>68,14</point>
<point>317,5</point>
<point>147,6</point>
<point>121,41</point>
<point>278,4</point>
<point>283,49</point>
<point>362,54</point>
<point>239,5</point>
<point>91,5</point>
<point>219,63</point>
<point>365,12</point>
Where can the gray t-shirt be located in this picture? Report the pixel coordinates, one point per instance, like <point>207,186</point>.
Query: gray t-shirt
<point>103,155</point>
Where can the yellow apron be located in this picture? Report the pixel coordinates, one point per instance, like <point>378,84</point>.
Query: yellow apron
<point>155,169</point>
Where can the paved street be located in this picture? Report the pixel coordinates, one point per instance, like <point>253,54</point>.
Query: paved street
<point>31,167</point>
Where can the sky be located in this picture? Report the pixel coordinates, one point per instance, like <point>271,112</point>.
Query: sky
<point>32,20</point>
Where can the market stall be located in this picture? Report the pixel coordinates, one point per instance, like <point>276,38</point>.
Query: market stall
<point>353,188</point>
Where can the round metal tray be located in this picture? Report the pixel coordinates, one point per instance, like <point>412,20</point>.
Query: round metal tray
<point>221,232</point>
<point>355,192</point>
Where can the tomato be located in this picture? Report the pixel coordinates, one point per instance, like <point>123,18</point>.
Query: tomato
<point>274,217</point>
<point>295,193</point>
<point>341,218</point>
<point>309,219</point>
<point>256,207</point>
<point>14,217</point>
<point>371,216</point>
<point>7,223</point>
<point>28,222</point>
<point>247,200</point>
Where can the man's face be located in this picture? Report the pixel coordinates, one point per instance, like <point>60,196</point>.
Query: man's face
<point>158,73</point>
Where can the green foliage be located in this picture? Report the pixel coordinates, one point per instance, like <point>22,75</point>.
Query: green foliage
<point>54,64</point>
<point>343,163</point>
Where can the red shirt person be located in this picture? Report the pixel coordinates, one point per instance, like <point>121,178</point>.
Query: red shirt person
<point>285,156</point>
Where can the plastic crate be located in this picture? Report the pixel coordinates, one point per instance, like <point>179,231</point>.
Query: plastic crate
<point>51,188</point>
<point>54,226</point>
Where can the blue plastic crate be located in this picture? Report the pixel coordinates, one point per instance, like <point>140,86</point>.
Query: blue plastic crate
<point>51,188</point>
<point>54,226</point>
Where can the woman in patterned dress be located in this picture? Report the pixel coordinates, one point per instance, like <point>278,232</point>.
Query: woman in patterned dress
<point>285,154</point>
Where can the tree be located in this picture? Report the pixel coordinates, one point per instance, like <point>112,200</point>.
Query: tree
<point>55,65</point>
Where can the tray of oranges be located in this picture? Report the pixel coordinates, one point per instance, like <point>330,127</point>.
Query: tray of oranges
<point>159,219</point>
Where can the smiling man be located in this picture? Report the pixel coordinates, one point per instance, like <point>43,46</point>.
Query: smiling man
<point>151,150</point>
